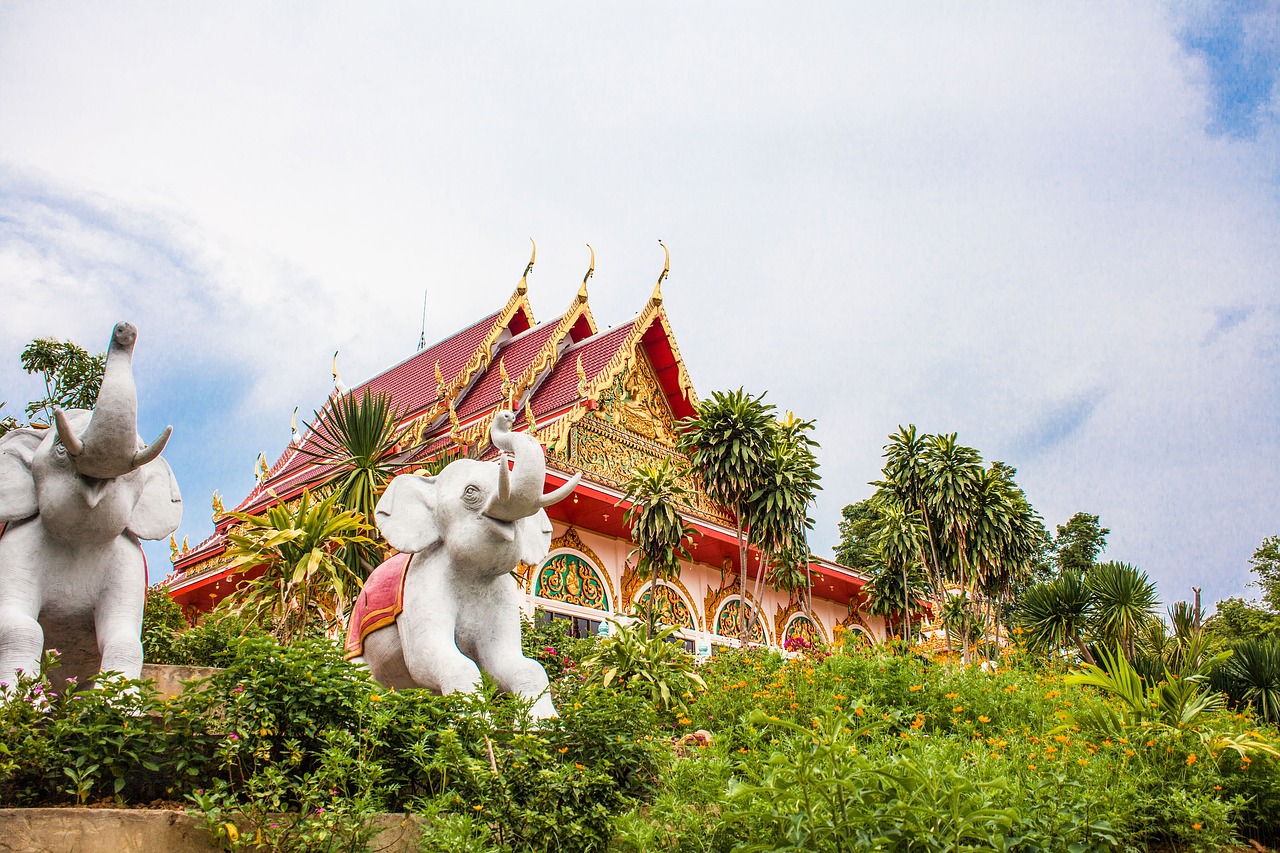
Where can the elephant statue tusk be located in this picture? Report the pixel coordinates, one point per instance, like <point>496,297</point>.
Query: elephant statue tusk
<point>67,435</point>
<point>561,493</point>
<point>152,450</point>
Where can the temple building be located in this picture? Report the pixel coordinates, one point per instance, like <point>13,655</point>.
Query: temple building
<point>603,403</point>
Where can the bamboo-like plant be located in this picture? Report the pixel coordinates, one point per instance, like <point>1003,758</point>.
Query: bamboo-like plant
<point>302,580</point>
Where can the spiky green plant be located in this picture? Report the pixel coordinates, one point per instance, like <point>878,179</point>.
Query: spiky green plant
<point>353,444</point>
<point>1124,599</point>
<point>1253,675</point>
<point>1056,615</point>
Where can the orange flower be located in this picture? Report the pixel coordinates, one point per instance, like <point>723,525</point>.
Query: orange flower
<point>953,695</point>
<point>916,687</point>
<point>1191,759</point>
<point>579,766</point>
<point>1196,826</point>
<point>983,719</point>
<point>957,709</point>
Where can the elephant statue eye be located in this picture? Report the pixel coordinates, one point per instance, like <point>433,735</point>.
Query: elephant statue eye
<point>471,495</point>
<point>59,449</point>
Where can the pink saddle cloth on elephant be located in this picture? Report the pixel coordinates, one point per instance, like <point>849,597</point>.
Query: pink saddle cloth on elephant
<point>378,604</point>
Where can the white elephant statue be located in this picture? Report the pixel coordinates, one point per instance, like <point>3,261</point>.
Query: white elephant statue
<point>448,606</point>
<point>74,501</point>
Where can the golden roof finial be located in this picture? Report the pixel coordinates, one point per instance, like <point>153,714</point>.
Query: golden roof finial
<point>338,385</point>
<point>528,416</point>
<point>582,377</point>
<point>218,508</point>
<point>439,381</point>
<point>185,546</point>
<point>666,268</point>
<point>263,468</point>
<point>523,286</point>
<point>591,270</point>
<point>173,547</point>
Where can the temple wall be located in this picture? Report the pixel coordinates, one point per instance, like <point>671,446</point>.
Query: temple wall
<point>585,576</point>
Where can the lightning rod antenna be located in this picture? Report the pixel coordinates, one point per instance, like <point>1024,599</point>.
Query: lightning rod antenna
<point>422,337</point>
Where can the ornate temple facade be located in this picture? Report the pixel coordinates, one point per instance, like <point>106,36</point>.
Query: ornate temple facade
<point>603,403</point>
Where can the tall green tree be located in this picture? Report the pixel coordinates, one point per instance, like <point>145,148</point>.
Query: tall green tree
<point>859,523</point>
<point>898,580</point>
<point>1265,563</point>
<point>71,376</point>
<point>661,534</point>
<point>1078,543</point>
<point>727,441</point>
<point>778,510</point>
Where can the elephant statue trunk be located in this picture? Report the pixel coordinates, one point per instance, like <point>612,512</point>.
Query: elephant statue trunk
<point>108,448</point>
<point>519,491</point>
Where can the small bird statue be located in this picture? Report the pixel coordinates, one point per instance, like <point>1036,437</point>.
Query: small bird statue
<point>293,426</point>
<point>500,432</point>
<point>263,468</point>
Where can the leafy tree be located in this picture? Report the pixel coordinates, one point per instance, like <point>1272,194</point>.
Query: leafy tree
<point>1124,599</point>
<point>661,534</point>
<point>7,423</point>
<point>162,620</point>
<point>71,376</point>
<point>1078,543</point>
<point>1265,563</point>
<point>727,442</point>
<point>301,579</point>
<point>354,443</point>
<point>1056,615</point>
<point>1237,619</point>
<point>859,524</point>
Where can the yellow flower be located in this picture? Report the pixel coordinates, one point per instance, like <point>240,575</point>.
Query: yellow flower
<point>1031,767</point>
<point>684,721</point>
<point>953,695</point>
<point>916,687</point>
<point>375,698</point>
<point>563,750</point>
<point>478,808</point>
<point>983,719</point>
<point>957,709</point>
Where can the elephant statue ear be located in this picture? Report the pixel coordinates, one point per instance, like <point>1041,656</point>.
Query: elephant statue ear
<point>158,510</point>
<point>17,486</point>
<point>534,533</point>
<point>406,513</point>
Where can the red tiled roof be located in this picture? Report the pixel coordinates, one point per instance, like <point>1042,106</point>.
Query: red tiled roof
<point>516,354</point>
<point>561,388</point>
<point>412,382</point>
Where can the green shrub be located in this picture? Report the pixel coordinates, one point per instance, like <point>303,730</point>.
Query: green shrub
<point>650,666</point>
<point>117,740</point>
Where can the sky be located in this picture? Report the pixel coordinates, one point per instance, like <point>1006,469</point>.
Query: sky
<point>1053,229</point>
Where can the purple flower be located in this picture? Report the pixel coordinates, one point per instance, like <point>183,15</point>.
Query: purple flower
<point>233,736</point>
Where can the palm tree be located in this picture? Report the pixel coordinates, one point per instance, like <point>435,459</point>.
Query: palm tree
<point>899,548</point>
<point>305,580</point>
<point>657,528</point>
<point>778,510</point>
<point>354,444</point>
<point>727,441</point>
